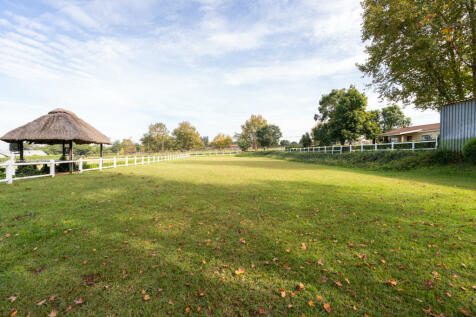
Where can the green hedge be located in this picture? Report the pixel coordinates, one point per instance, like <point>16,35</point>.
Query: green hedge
<point>385,160</point>
<point>469,151</point>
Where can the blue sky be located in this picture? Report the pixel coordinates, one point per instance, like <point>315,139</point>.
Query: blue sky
<point>124,64</point>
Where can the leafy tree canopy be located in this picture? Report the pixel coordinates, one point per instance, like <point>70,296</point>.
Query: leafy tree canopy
<point>222,141</point>
<point>393,118</point>
<point>187,137</point>
<point>344,110</point>
<point>268,135</point>
<point>306,140</point>
<point>421,52</point>
<point>157,138</point>
<point>251,127</point>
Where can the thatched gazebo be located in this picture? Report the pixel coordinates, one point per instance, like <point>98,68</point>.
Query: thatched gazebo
<point>59,126</point>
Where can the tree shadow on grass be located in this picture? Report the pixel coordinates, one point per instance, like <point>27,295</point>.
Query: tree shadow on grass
<point>179,232</point>
<point>438,175</point>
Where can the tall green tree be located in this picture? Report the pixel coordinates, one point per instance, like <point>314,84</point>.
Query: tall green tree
<point>157,138</point>
<point>372,125</point>
<point>250,127</point>
<point>243,144</point>
<point>186,137</point>
<point>222,141</point>
<point>344,110</point>
<point>421,52</point>
<point>128,147</point>
<point>306,140</point>
<point>392,117</point>
<point>268,135</point>
<point>116,146</point>
<point>320,134</point>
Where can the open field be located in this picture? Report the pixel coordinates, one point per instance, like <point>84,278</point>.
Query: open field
<point>237,236</point>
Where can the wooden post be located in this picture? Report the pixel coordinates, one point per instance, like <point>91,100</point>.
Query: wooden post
<point>20,148</point>
<point>100,150</point>
<point>64,149</point>
<point>71,157</point>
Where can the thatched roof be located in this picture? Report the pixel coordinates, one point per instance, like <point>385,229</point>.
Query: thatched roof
<point>57,126</point>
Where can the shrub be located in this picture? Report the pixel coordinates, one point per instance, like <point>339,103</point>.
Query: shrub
<point>27,170</point>
<point>469,151</point>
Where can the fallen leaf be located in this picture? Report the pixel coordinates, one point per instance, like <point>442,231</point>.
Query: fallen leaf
<point>41,302</point>
<point>303,246</point>
<point>320,262</point>
<point>311,303</point>
<point>13,312</point>
<point>288,250</point>
<point>12,298</point>
<point>338,283</point>
<point>392,282</point>
<point>79,301</point>
<point>262,311</point>
<point>187,309</point>
<point>53,313</point>
<point>327,307</point>
<point>146,297</point>
<point>464,312</point>
<point>300,287</point>
<point>240,270</point>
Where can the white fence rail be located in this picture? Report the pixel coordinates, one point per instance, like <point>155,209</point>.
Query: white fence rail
<point>405,146</point>
<point>84,165</point>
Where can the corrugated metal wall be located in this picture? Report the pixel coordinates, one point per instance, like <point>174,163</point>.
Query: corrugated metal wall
<point>458,124</point>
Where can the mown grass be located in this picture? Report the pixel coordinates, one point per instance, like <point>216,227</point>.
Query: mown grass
<point>170,238</point>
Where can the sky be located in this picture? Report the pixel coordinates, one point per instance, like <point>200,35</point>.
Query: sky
<point>124,64</point>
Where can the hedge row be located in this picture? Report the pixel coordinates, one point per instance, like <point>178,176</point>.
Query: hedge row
<point>385,160</point>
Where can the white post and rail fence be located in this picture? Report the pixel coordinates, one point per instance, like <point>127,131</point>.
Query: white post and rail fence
<point>92,164</point>
<point>393,146</point>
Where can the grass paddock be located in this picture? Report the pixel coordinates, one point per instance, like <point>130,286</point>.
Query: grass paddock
<point>239,236</point>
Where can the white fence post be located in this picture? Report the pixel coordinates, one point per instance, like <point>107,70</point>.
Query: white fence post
<point>350,148</point>
<point>135,160</point>
<point>142,161</point>
<point>375,146</point>
<point>436,143</point>
<point>115,162</point>
<point>392,146</point>
<point>341,149</point>
<point>80,168</point>
<point>9,169</point>
<point>148,159</point>
<point>361,147</point>
<point>413,145</point>
<point>100,163</point>
<point>52,168</point>
<point>127,161</point>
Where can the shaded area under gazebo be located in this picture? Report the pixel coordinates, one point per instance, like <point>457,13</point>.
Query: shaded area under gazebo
<point>59,126</point>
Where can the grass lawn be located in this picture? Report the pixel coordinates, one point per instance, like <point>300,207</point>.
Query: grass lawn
<point>239,236</point>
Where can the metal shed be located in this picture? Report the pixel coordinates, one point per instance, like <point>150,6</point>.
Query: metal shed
<point>458,124</point>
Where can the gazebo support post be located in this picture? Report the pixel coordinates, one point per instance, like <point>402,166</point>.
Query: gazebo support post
<point>71,157</point>
<point>64,149</point>
<point>20,148</point>
<point>100,150</point>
